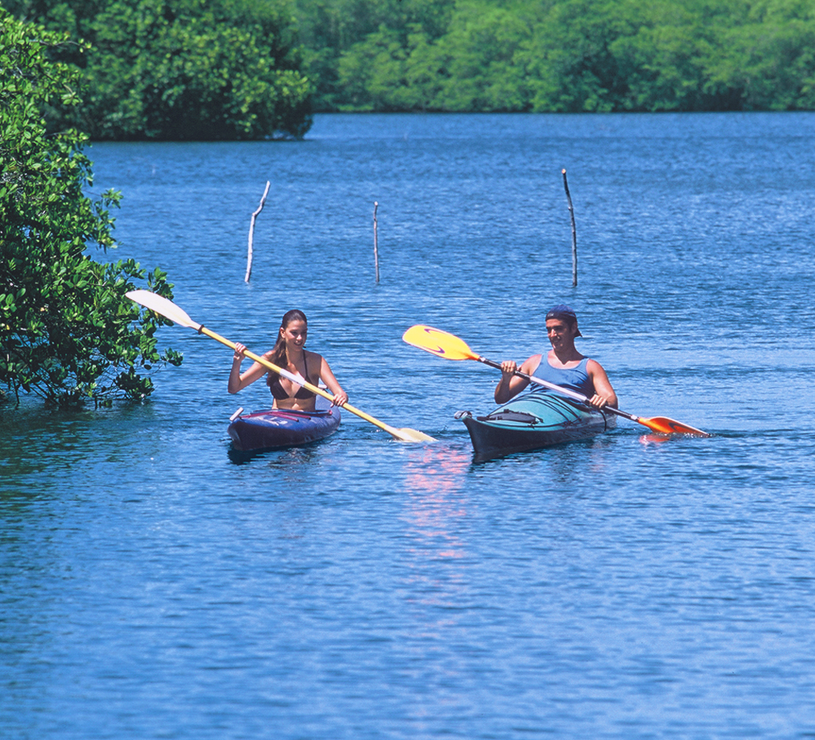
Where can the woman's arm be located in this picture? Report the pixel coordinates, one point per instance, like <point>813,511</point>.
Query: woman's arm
<point>237,381</point>
<point>340,396</point>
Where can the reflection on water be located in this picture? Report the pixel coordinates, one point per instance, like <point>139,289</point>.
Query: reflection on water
<point>559,466</point>
<point>436,514</point>
<point>436,468</point>
<point>653,439</point>
<point>436,476</point>
<point>285,458</point>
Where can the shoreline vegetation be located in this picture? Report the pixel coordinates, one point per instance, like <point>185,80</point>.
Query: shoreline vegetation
<point>259,69</point>
<point>68,332</point>
<point>560,55</point>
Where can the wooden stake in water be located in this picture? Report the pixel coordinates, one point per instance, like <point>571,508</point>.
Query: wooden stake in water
<point>376,243</point>
<point>574,231</point>
<point>252,233</point>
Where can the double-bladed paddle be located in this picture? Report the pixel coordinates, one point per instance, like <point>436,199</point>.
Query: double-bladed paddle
<point>168,309</point>
<point>450,347</point>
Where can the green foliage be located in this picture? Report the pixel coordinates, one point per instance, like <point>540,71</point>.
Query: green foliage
<point>329,28</point>
<point>234,69</point>
<point>561,55</point>
<point>770,58</point>
<point>184,69</point>
<point>67,331</point>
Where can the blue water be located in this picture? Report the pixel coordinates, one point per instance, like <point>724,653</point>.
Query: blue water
<point>624,587</point>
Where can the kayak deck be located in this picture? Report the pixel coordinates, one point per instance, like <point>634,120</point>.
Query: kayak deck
<point>531,422</point>
<point>278,428</point>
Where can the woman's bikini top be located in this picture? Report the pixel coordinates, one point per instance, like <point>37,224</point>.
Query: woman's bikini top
<point>280,393</point>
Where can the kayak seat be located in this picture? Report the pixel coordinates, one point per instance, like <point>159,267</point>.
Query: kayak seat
<point>509,415</point>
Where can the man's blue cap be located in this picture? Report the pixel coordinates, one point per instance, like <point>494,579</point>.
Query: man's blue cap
<point>563,312</point>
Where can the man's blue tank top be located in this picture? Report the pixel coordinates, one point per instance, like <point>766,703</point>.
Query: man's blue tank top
<point>576,378</point>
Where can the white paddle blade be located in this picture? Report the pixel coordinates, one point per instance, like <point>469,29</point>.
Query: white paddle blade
<point>162,306</point>
<point>414,435</point>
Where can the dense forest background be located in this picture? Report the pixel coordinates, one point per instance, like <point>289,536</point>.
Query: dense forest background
<point>258,68</point>
<point>559,55</point>
<point>179,69</point>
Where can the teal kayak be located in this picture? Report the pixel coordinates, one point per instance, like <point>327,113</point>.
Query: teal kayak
<point>533,421</point>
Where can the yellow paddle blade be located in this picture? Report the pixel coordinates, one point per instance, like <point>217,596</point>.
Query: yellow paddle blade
<point>439,343</point>
<point>664,425</point>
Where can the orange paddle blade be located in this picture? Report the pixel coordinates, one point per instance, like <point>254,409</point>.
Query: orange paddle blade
<point>664,425</point>
<point>438,342</point>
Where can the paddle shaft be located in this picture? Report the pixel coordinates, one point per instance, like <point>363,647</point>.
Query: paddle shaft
<point>560,389</point>
<point>300,381</point>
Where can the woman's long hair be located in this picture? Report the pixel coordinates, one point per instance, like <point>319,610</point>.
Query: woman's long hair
<point>279,356</point>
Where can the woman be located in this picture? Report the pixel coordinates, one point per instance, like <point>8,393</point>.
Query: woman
<point>288,353</point>
<point>562,365</point>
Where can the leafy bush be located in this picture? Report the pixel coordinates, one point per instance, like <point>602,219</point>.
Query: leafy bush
<point>182,69</point>
<point>67,331</point>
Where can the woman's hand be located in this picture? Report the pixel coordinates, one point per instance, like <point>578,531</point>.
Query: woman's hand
<point>508,367</point>
<point>235,381</point>
<point>339,399</point>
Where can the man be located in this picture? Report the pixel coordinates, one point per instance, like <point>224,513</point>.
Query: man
<point>562,365</point>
